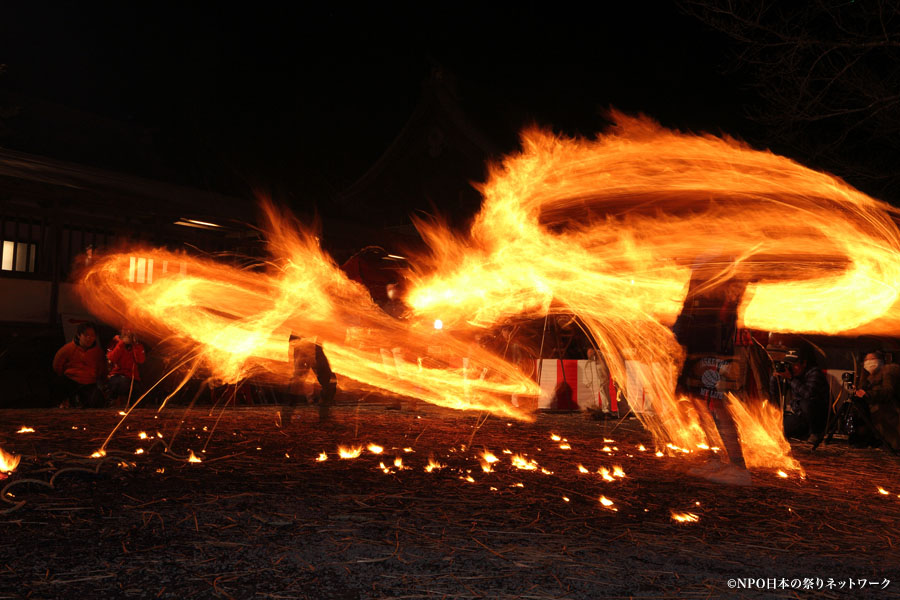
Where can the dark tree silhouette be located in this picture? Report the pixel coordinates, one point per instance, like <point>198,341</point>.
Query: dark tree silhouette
<point>827,79</point>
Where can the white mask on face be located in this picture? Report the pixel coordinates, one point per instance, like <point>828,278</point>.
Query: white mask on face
<point>871,365</point>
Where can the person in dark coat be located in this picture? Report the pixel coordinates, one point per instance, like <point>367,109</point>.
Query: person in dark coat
<point>806,411</point>
<point>878,399</point>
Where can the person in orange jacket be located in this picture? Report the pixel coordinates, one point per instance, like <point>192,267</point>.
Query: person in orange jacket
<point>80,366</point>
<point>125,354</point>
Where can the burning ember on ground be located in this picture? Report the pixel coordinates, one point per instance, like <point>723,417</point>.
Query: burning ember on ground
<point>25,429</point>
<point>8,463</point>
<point>685,517</point>
<point>609,230</point>
<point>347,452</point>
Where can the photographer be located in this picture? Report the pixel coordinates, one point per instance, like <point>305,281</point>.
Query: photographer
<point>806,413</point>
<point>877,399</point>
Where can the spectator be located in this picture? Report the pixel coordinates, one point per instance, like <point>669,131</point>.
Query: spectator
<point>877,399</point>
<point>79,366</point>
<point>124,356</point>
<point>806,411</point>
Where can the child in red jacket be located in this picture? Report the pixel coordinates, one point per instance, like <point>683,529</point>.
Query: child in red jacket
<point>80,367</point>
<point>125,354</point>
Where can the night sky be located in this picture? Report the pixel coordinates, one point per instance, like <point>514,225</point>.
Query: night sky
<point>301,100</point>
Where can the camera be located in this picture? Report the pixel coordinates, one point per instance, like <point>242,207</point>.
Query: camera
<point>847,379</point>
<point>784,365</point>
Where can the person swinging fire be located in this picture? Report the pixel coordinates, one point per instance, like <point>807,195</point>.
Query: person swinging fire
<point>707,328</point>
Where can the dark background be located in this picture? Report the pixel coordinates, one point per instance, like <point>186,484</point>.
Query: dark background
<point>299,101</point>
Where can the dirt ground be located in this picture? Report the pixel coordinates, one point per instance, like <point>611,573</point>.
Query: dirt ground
<point>261,517</point>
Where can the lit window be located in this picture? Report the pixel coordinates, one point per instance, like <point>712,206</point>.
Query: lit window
<point>18,256</point>
<point>140,270</point>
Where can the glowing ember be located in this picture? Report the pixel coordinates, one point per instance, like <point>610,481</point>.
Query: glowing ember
<point>555,437</point>
<point>641,448</point>
<point>506,451</point>
<point>347,452</point>
<point>99,454</point>
<point>489,457</point>
<point>565,447</point>
<point>883,491</point>
<point>373,448</point>
<point>546,471</point>
<point>659,454</point>
<point>139,451</point>
<point>8,461</point>
<point>608,441</point>
<point>685,517</point>
<point>606,501</point>
<point>322,457</point>
<point>193,458</point>
<point>143,435</point>
<point>25,430</point>
<point>782,474</point>
<point>469,478</point>
<point>604,472</point>
<point>582,469</point>
<point>703,446</point>
<point>618,472</point>
<point>383,468</point>
<point>398,462</point>
<point>565,499</point>
<point>520,462</point>
<point>433,465</point>
<point>607,449</point>
<point>408,450</point>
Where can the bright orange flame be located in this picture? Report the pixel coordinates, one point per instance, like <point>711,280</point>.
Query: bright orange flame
<point>432,465</point>
<point>520,462</point>
<point>8,461</point>
<point>611,230</point>
<point>25,430</point>
<point>193,458</point>
<point>618,472</point>
<point>349,451</point>
<point>322,457</point>
<point>685,517</point>
<point>604,473</point>
<point>398,462</point>
<point>234,324</point>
